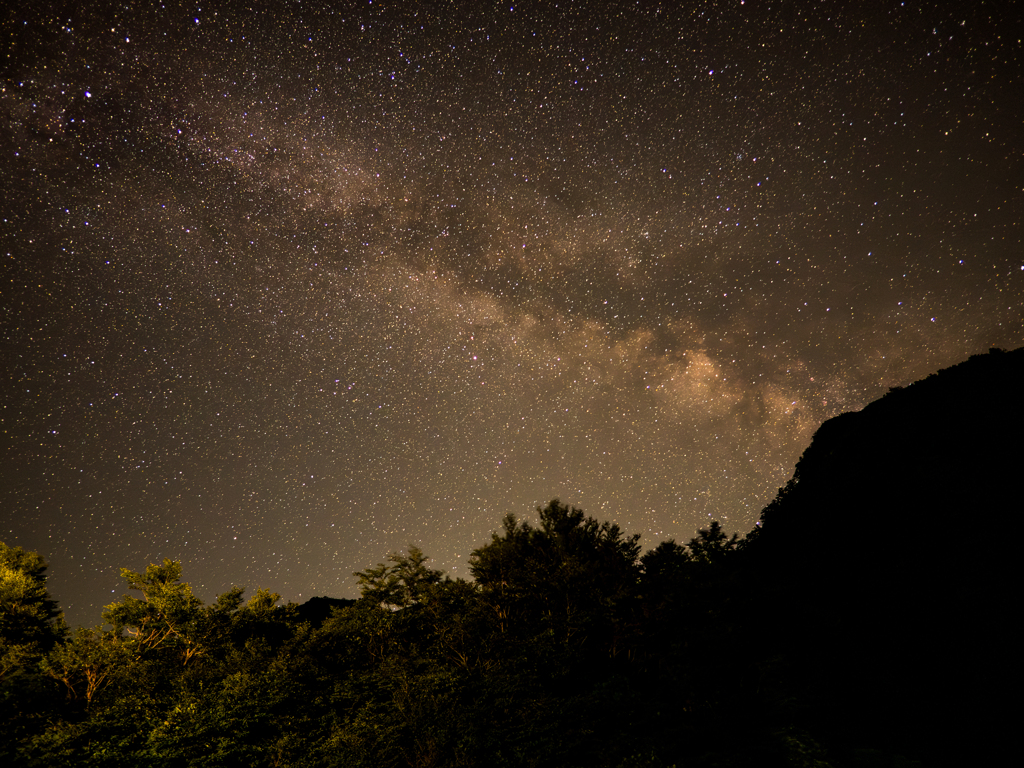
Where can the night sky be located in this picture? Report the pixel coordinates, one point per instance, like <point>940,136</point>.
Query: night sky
<point>286,289</point>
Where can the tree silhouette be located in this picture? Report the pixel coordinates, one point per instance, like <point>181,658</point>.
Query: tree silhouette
<point>572,577</point>
<point>401,584</point>
<point>29,623</point>
<point>169,618</point>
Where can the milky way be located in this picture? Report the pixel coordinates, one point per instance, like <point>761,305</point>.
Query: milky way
<point>286,290</point>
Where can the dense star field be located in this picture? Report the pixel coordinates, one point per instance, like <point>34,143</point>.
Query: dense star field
<point>286,289</point>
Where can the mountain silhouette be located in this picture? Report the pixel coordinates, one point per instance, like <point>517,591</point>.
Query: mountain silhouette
<point>887,573</point>
<point>317,610</point>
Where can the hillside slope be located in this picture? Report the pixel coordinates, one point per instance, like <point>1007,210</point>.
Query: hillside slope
<point>887,569</point>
